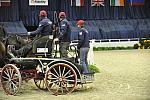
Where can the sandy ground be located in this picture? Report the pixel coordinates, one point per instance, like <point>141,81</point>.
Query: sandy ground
<point>125,75</point>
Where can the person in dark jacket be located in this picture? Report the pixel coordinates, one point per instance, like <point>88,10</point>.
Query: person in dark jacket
<point>45,25</point>
<point>44,28</point>
<point>83,45</point>
<point>64,35</point>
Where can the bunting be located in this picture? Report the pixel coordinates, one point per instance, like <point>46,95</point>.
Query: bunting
<point>4,2</point>
<point>77,2</point>
<point>97,3</point>
<point>136,2</point>
<point>116,2</point>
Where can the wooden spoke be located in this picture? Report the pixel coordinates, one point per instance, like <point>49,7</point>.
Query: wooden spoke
<point>11,79</point>
<point>63,71</point>
<point>59,72</point>
<point>53,75</point>
<point>65,86</point>
<point>56,72</point>
<point>5,77</point>
<point>64,83</point>
<point>67,73</point>
<point>69,76</point>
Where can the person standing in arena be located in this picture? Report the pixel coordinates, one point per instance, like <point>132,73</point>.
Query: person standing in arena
<point>44,28</point>
<point>83,45</point>
<point>64,35</point>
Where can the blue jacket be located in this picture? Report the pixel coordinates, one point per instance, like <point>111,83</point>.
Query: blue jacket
<point>44,28</point>
<point>65,31</point>
<point>83,37</point>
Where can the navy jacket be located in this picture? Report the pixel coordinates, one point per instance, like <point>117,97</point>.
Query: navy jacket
<point>44,28</point>
<point>83,37</point>
<point>65,31</point>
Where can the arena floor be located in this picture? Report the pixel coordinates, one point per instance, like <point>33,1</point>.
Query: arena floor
<point>125,75</point>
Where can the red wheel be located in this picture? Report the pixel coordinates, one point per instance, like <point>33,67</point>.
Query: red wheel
<point>10,79</point>
<point>61,79</point>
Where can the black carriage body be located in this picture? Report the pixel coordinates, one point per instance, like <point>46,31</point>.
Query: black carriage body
<point>42,47</point>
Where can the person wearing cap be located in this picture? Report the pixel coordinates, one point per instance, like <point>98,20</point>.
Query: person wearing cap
<point>64,35</point>
<point>83,45</point>
<point>44,28</point>
<point>45,25</point>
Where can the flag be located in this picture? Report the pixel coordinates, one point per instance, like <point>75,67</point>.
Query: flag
<point>77,2</point>
<point>136,2</point>
<point>116,2</point>
<point>4,2</point>
<point>97,2</point>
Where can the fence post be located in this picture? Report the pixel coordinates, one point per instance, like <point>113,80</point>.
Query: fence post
<point>91,53</point>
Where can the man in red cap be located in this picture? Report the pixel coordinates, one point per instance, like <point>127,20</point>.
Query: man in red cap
<point>45,25</point>
<point>64,35</point>
<point>44,28</point>
<point>83,45</point>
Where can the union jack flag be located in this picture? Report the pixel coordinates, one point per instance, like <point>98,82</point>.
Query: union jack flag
<point>97,2</point>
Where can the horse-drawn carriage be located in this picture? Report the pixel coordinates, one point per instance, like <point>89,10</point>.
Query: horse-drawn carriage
<point>44,65</point>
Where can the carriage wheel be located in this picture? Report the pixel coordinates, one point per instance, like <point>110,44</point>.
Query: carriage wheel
<point>10,79</point>
<point>61,79</point>
<point>40,81</point>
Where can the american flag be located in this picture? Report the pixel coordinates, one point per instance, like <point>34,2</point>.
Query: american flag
<point>97,2</point>
<point>4,2</point>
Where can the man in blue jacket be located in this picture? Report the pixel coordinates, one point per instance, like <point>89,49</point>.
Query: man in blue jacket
<point>83,45</point>
<point>44,28</point>
<point>45,25</point>
<point>64,35</point>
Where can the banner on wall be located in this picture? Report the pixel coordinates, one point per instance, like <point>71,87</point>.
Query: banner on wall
<point>38,2</point>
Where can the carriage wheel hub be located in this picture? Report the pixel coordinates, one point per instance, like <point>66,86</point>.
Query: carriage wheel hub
<point>61,78</point>
<point>9,80</point>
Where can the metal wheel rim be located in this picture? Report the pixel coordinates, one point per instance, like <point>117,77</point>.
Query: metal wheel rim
<point>10,79</point>
<point>62,82</point>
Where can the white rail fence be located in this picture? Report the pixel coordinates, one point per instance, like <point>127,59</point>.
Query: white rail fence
<point>108,43</point>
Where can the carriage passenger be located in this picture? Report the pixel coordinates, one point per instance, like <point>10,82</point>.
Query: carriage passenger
<point>83,45</point>
<point>44,28</point>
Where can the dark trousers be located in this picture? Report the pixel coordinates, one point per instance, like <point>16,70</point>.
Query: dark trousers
<point>64,46</point>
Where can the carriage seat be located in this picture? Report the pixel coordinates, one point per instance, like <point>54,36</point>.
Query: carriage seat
<point>43,46</point>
